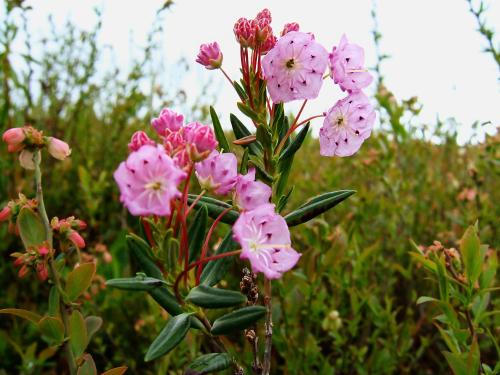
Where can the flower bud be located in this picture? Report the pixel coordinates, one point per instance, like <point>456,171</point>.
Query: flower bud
<point>138,140</point>
<point>210,56</point>
<point>58,149</point>
<point>292,26</point>
<point>42,272</point>
<point>14,137</point>
<point>26,160</point>
<point>23,271</point>
<point>168,119</point>
<point>5,213</point>
<point>77,239</point>
<point>200,140</point>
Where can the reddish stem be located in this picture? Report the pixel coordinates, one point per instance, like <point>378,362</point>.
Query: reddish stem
<point>181,220</point>
<point>204,249</point>
<point>195,202</point>
<point>227,76</point>
<point>147,230</point>
<point>195,264</point>
<point>290,130</point>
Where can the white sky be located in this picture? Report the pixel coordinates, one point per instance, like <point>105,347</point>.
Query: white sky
<point>436,53</point>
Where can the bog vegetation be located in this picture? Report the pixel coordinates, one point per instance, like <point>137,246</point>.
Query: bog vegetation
<point>398,279</point>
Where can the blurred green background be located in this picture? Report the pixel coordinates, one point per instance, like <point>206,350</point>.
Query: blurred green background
<point>348,308</point>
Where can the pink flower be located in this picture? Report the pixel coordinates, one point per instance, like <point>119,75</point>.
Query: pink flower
<point>14,137</point>
<point>174,141</point>
<point>148,181</point>
<point>264,16</point>
<point>294,67</point>
<point>139,139</point>
<point>210,56</point>
<point>58,149</point>
<point>250,194</point>
<point>268,44</point>
<point>168,119</point>
<point>244,31</point>
<point>292,26</point>
<point>5,213</point>
<point>218,172</point>
<point>42,272</point>
<point>200,140</point>
<point>347,66</point>
<point>265,241</point>
<point>182,159</point>
<point>346,126</point>
<point>76,239</point>
<point>26,160</point>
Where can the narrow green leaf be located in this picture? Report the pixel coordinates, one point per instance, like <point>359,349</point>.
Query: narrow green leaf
<point>213,298</point>
<point>425,299</point>
<point>138,283</point>
<point>212,362</point>
<point>25,314</point>
<point>79,280</point>
<point>247,111</point>
<point>196,233</point>
<point>244,162</point>
<point>457,363</point>
<point>470,248</point>
<point>284,168</point>
<point>52,329</point>
<point>219,133</point>
<point>296,144</point>
<point>317,206</point>
<point>240,131</point>
<point>214,208</point>
<point>284,200</point>
<point>170,336</point>
<point>54,300</point>
<point>263,136</point>
<point>238,320</point>
<point>78,333</point>
<point>215,270</point>
<point>141,250</point>
<point>240,91</point>
<point>30,227</point>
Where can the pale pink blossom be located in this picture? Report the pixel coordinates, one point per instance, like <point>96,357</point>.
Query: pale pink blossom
<point>347,66</point>
<point>57,148</point>
<point>265,241</point>
<point>148,181</point>
<point>294,67</point>
<point>218,172</point>
<point>250,194</point>
<point>200,140</point>
<point>292,26</point>
<point>210,56</point>
<point>26,159</point>
<point>139,139</point>
<point>167,119</point>
<point>346,126</point>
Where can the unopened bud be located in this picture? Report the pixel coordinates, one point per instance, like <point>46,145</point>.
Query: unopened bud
<point>58,149</point>
<point>77,239</point>
<point>5,213</point>
<point>14,136</point>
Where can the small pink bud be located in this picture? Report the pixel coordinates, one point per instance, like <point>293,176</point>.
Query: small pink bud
<point>43,250</point>
<point>19,261</point>
<point>174,141</point>
<point>77,240</point>
<point>200,140</point>
<point>210,56</point>
<point>168,119</point>
<point>42,272</point>
<point>58,149</point>
<point>81,224</point>
<point>23,271</point>
<point>26,160</point>
<point>292,26</point>
<point>14,136</point>
<point>139,139</point>
<point>107,257</point>
<point>5,213</point>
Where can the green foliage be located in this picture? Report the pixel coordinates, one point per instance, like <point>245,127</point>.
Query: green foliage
<point>238,320</point>
<point>213,298</point>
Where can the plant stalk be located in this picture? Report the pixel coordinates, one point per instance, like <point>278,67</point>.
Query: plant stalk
<point>268,328</point>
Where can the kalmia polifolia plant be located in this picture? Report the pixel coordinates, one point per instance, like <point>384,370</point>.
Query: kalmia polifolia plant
<point>53,251</point>
<point>179,268</point>
<point>465,279</point>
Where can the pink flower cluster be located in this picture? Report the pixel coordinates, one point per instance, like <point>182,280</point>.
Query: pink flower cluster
<point>256,33</point>
<point>148,180</point>
<point>261,232</point>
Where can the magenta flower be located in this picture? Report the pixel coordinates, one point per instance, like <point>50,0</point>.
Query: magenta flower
<point>346,126</point>
<point>250,194</point>
<point>347,66</point>
<point>168,119</point>
<point>148,181</point>
<point>244,31</point>
<point>210,56</point>
<point>200,140</point>
<point>292,26</point>
<point>139,139</point>
<point>218,172</point>
<point>265,241</point>
<point>294,67</point>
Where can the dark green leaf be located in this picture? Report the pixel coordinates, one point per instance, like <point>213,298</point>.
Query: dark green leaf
<point>284,168</point>
<point>166,300</point>
<point>212,298</point>
<point>215,208</point>
<point>316,206</point>
<point>244,162</point>
<point>138,283</point>
<point>215,270</point>
<point>240,131</point>
<point>238,320</point>
<point>472,256</point>
<point>263,136</point>
<point>219,133</point>
<point>170,336</point>
<point>240,91</point>
<point>296,144</point>
<point>52,329</point>
<point>30,227</point>
<point>54,299</point>
<point>283,200</point>
<point>141,250</point>
<point>247,111</point>
<point>196,232</point>
<point>212,362</point>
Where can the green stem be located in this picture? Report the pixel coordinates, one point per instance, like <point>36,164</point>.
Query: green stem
<point>268,328</point>
<point>53,270</point>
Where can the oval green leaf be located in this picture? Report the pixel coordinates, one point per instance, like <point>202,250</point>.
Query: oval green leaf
<point>238,320</point>
<point>52,329</point>
<point>212,362</point>
<point>79,280</point>
<point>213,298</point>
<point>88,367</point>
<point>170,336</point>
<point>78,333</point>
<point>116,371</point>
<point>30,227</point>
<point>92,324</point>
<point>25,314</point>
<point>141,250</point>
